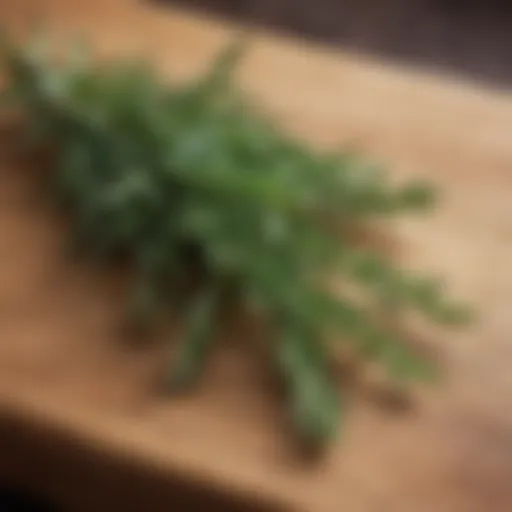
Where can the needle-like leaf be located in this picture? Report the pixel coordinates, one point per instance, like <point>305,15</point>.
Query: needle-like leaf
<point>189,182</point>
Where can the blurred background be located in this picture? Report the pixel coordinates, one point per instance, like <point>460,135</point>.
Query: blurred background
<point>467,38</point>
<point>472,38</point>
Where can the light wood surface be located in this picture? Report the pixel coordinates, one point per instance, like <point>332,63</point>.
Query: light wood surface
<point>62,368</point>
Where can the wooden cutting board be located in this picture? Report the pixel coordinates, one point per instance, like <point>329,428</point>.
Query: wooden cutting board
<point>76,404</point>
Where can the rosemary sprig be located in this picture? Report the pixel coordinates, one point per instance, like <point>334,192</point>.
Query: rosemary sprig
<point>188,180</point>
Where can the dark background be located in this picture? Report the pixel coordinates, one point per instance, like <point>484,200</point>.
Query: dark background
<point>469,38</point>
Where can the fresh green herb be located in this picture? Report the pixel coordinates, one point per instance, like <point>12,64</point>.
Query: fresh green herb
<point>188,180</point>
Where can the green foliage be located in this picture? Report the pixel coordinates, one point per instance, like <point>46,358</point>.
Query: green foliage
<point>188,180</point>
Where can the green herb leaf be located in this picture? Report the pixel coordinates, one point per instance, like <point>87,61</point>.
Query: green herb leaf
<point>189,183</point>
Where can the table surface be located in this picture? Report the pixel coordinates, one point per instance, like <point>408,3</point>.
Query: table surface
<point>61,365</point>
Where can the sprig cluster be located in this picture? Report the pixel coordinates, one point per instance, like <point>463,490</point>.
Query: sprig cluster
<point>184,180</point>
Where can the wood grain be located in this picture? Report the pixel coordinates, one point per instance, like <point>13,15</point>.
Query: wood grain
<point>63,370</point>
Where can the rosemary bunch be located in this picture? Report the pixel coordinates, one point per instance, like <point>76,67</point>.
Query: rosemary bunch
<point>181,179</point>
